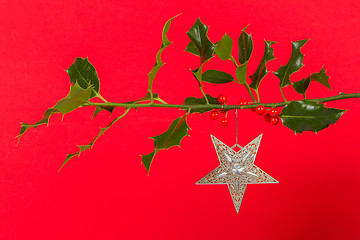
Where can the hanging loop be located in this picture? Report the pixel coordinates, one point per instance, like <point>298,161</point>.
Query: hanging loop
<point>236,130</point>
<point>236,126</point>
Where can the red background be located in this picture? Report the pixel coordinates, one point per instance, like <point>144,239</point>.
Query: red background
<point>106,193</point>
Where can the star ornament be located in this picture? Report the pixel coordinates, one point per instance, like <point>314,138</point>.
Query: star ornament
<point>237,169</point>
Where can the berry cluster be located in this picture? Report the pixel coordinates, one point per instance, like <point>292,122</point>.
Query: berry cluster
<point>272,116</point>
<point>222,99</point>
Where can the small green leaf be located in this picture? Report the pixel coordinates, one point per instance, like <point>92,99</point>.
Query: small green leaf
<point>43,120</point>
<point>261,70</point>
<point>158,62</point>
<point>302,85</point>
<point>217,77</point>
<point>199,101</point>
<point>172,137</point>
<point>307,115</point>
<point>245,45</point>
<point>320,77</point>
<point>70,156</point>
<point>191,48</point>
<point>197,74</point>
<point>147,160</point>
<point>76,97</point>
<point>83,73</point>
<point>198,36</point>
<point>293,65</point>
<point>224,47</point>
<point>98,109</point>
<point>241,72</point>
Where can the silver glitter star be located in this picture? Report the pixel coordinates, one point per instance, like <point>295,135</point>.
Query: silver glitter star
<point>237,169</point>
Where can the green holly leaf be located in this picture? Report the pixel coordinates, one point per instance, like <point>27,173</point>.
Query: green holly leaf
<point>172,137</point>
<point>217,77</point>
<point>320,77</point>
<point>70,156</point>
<point>44,120</point>
<point>158,63</point>
<point>307,115</point>
<point>147,160</point>
<point>198,36</point>
<point>200,101</point>
<point>191,48</point>
<point>302,85</point>
<point>261,70</point>
<point>224,47</point>
<point>82,72</point>
<point>293,65</point>
<point>76,98</point>
<point>245,45</point>
<point>91,143</point>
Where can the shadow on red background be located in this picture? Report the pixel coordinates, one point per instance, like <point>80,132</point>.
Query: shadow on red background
<point>106,193</point>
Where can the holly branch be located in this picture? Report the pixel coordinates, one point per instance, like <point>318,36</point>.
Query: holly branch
<point>208,107</point>
<point>299,116</point>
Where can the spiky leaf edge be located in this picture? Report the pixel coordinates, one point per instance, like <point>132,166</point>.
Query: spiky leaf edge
<point>158,62</point>
<point>174,126</point>
<point>88,146</point>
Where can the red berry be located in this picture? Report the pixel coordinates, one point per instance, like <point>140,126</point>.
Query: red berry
<point>260,110</point>
<point>224,122</point>
<point>274,112</point>
<point>243,102</point>
<point>214,115</point>
<point>267,117</point>
<point>222,98</point>
<point>274,120</point>
<point>222,111</point>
